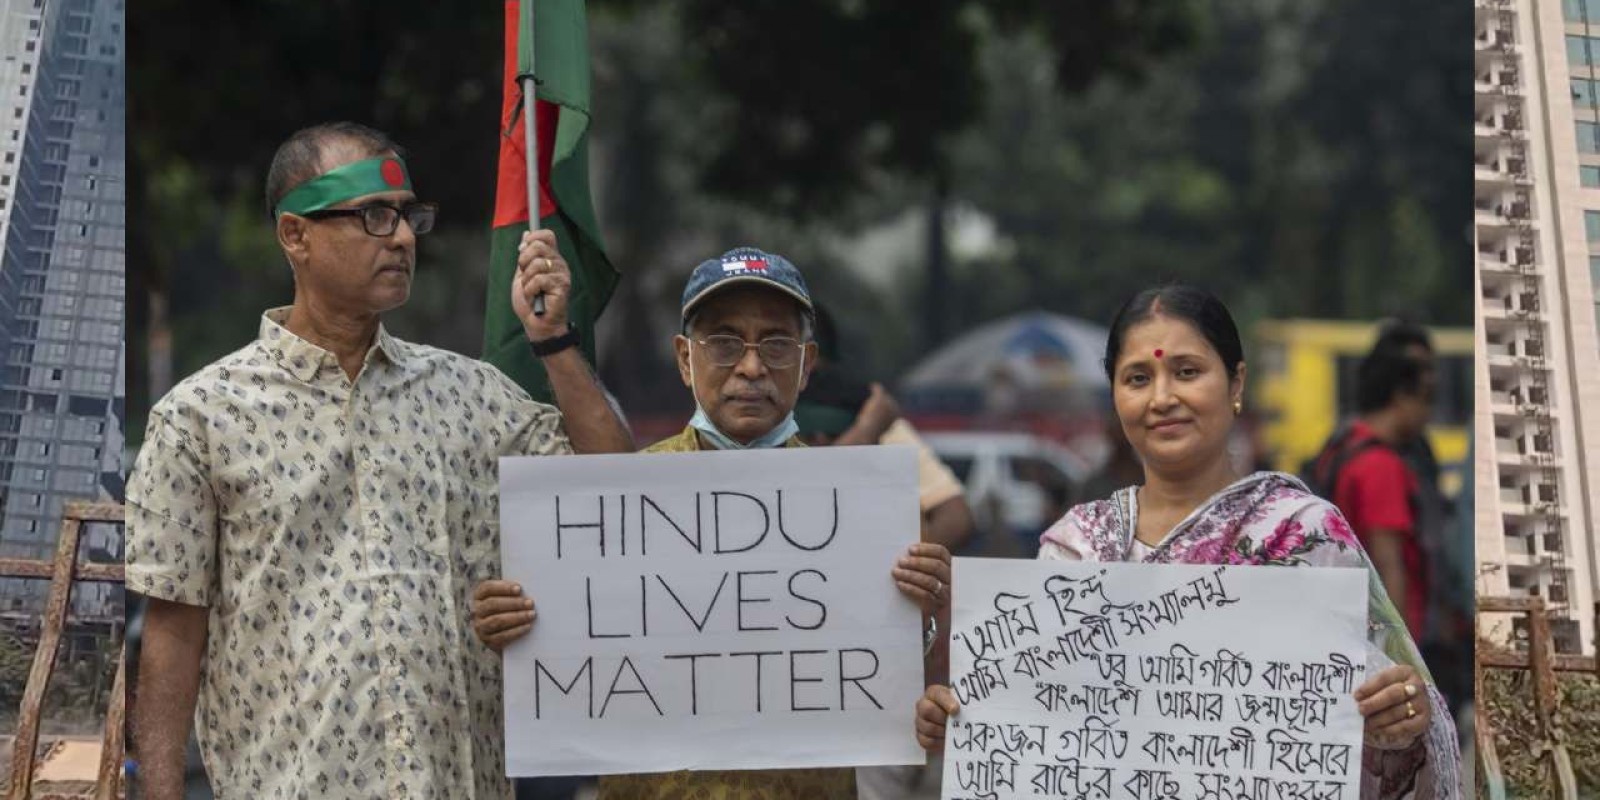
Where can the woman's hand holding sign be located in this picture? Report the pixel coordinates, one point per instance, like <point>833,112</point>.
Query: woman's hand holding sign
<point>1396,707</point>
<point>937,705</point>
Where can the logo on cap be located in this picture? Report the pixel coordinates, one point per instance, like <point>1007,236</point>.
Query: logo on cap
<point>393,174</point>
<point>744,265</point>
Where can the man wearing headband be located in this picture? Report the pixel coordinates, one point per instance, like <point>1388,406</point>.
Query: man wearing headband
<point>745,353</point>
<point>308,514</point>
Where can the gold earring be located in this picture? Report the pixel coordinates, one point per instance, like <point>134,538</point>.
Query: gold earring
<point>1238,408</point>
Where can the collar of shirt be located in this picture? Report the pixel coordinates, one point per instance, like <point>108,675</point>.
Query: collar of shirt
<point>304,360</point>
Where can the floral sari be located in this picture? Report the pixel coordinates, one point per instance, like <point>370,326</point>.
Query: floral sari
<point>1272,518</point>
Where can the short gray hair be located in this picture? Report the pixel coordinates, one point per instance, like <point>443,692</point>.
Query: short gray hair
<point>299,158</point>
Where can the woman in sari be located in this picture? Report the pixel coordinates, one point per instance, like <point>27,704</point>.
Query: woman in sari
<point>1177,374</point>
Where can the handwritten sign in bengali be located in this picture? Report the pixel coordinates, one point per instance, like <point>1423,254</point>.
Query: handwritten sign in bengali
<point>723,610</point>
<point>1144,681</point>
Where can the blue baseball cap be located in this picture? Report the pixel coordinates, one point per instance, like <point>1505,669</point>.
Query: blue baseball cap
<point>745,265</point>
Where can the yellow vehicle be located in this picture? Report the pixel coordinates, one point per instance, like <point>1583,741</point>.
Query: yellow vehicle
<point>1303,382</point>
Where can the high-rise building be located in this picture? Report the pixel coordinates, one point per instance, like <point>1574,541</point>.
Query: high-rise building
<point>1536,201</point>
<point>62,268</point>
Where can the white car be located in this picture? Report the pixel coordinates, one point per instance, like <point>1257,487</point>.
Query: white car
<point>1006,476</point>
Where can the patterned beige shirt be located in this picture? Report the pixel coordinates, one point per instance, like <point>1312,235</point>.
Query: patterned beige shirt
<point>335,529</point>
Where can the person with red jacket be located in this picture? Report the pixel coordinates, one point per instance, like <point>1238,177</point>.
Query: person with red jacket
<point>1373,484</point>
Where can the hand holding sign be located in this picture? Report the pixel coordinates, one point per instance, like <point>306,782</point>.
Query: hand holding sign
<point>1396,707</point>
<point>937,706</point>
<point>500,613</point>
<point>923,574</point>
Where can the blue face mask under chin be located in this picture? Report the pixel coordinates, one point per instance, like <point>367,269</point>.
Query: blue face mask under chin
<point>773,438</point>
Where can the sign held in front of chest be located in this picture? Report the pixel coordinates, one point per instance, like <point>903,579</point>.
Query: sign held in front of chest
<point>711,610</point>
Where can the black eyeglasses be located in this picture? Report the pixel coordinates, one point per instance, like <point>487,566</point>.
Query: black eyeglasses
<point>777,352</point>
<point>382,219</point>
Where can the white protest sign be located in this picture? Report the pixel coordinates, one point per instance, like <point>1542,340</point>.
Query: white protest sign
<point>719,610</point>
<point>1145,681</point>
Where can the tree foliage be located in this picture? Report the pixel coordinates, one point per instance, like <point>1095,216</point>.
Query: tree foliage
<point>1299,156</point>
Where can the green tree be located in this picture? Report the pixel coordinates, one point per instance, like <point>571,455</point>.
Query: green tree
<point>738,122</point>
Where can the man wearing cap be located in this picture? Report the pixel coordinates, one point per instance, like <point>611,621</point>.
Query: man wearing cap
<point>745,353</point>
<point>308,514</point>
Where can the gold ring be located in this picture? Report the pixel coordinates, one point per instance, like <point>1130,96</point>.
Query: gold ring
<point>1410,712</point>
<point>1411,690</point>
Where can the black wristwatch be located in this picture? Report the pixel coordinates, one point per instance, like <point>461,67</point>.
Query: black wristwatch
<point>549,347</point>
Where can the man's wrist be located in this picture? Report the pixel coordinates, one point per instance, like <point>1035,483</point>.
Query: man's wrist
<point>543,348</point>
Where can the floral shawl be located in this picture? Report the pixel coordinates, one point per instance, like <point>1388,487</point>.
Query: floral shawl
<point>1272,518</point>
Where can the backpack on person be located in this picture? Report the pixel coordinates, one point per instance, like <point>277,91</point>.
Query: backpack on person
<point>1321,471</point>
<point>1446,640</point>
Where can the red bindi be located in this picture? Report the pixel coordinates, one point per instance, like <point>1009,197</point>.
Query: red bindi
<point>1159,352</point>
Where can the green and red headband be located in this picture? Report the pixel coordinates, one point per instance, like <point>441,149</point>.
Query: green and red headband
<point>374,175</point>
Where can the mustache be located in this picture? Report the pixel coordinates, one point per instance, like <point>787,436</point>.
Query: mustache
<point>766,393</point>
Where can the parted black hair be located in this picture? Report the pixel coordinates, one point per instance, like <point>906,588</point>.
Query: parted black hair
<point>1191,304</point>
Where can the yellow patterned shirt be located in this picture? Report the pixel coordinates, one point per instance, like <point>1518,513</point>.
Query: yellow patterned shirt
<point>767,784</point>
<point>334,528</point>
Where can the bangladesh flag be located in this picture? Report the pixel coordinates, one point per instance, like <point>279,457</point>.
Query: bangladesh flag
<point>561,39</point>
